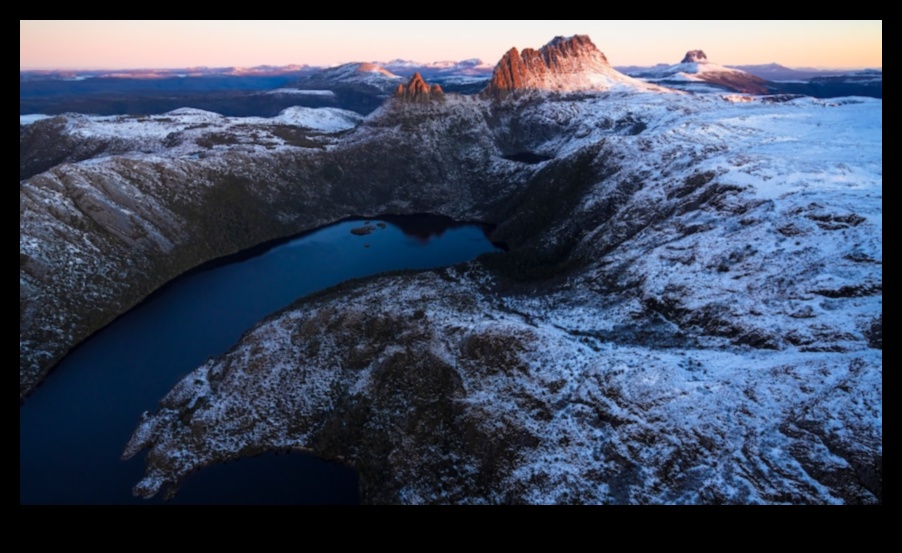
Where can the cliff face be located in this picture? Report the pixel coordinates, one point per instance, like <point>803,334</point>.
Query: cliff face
<point>565,63</point>
<point>695,56</point>
<point>416,90</point>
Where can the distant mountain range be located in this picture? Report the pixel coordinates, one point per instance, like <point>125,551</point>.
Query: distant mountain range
<point>474,68</point>
<point>766,71</point>
<point>363,86</point>
<point>695,73</point>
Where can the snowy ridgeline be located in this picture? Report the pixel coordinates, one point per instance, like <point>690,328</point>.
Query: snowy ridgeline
<point>718,337</point>
<point>569,417</point>
<point>689,71</point>
<point>151,126</point>
<point>298,92</point>
<point>182,131</point>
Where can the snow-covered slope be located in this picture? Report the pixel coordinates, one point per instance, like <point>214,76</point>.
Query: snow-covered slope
<point>155,128</point>
<point>691,312</point>
<point>473,68</point>
<point>32,118</point>
<point>123,207</point>
<point>368,77</point>
<point>102,189</point>
<point>47,141</point>
<point>318,119</point>
<point>695,69</point>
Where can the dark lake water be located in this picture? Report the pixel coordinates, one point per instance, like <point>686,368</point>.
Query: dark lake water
<point>73,428</point>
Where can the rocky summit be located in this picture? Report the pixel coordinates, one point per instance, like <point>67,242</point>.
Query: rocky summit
<point>417,90</point>
<point>695,56</point>
<point>696,73</point>
<point>564,64</point>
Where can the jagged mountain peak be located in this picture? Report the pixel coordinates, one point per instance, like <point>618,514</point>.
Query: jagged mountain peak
<point>418,90</point>
<point>576,45</point>
<point>695,56</point>
<point>563,64</point>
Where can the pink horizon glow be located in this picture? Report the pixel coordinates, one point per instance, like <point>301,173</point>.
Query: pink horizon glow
<point>181,44</point>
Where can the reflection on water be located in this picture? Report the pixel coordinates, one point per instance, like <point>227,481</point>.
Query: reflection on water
<point>73,428</point>
<point>429,227</point>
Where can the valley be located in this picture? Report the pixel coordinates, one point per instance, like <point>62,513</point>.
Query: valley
<point>88,406</point>
<point>690,310</point>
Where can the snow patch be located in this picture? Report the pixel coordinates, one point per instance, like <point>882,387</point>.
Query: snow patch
<point>31,118</point>
<point>298,92</point>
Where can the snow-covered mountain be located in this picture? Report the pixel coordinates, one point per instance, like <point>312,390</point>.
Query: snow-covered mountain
<point>695,69</point>
<point>46,141</point>
<point>691,313</point>
<point>440,69</point>
<point>696,74</point>
<point>366,77</point>
<point>690,310</point>
<point>566,64</point>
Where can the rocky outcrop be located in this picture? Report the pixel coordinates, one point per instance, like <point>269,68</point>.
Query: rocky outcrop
<point>695,56</point>
<point>696,73</point>
<point>416,90</point>
<point>564,64</point>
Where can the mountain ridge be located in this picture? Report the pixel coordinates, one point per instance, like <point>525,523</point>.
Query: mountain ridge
<point>695,67</point>
<point>564,64</point>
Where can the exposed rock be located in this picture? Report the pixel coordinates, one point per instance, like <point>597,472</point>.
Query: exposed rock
<point>416,90</point>
<point>363,230</point>
<point>695,70</point>
<point>564,64</point>
<point>874,333</point>
<point>695,56</point>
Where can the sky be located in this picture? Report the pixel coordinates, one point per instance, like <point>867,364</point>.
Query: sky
<point>177,44</point>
